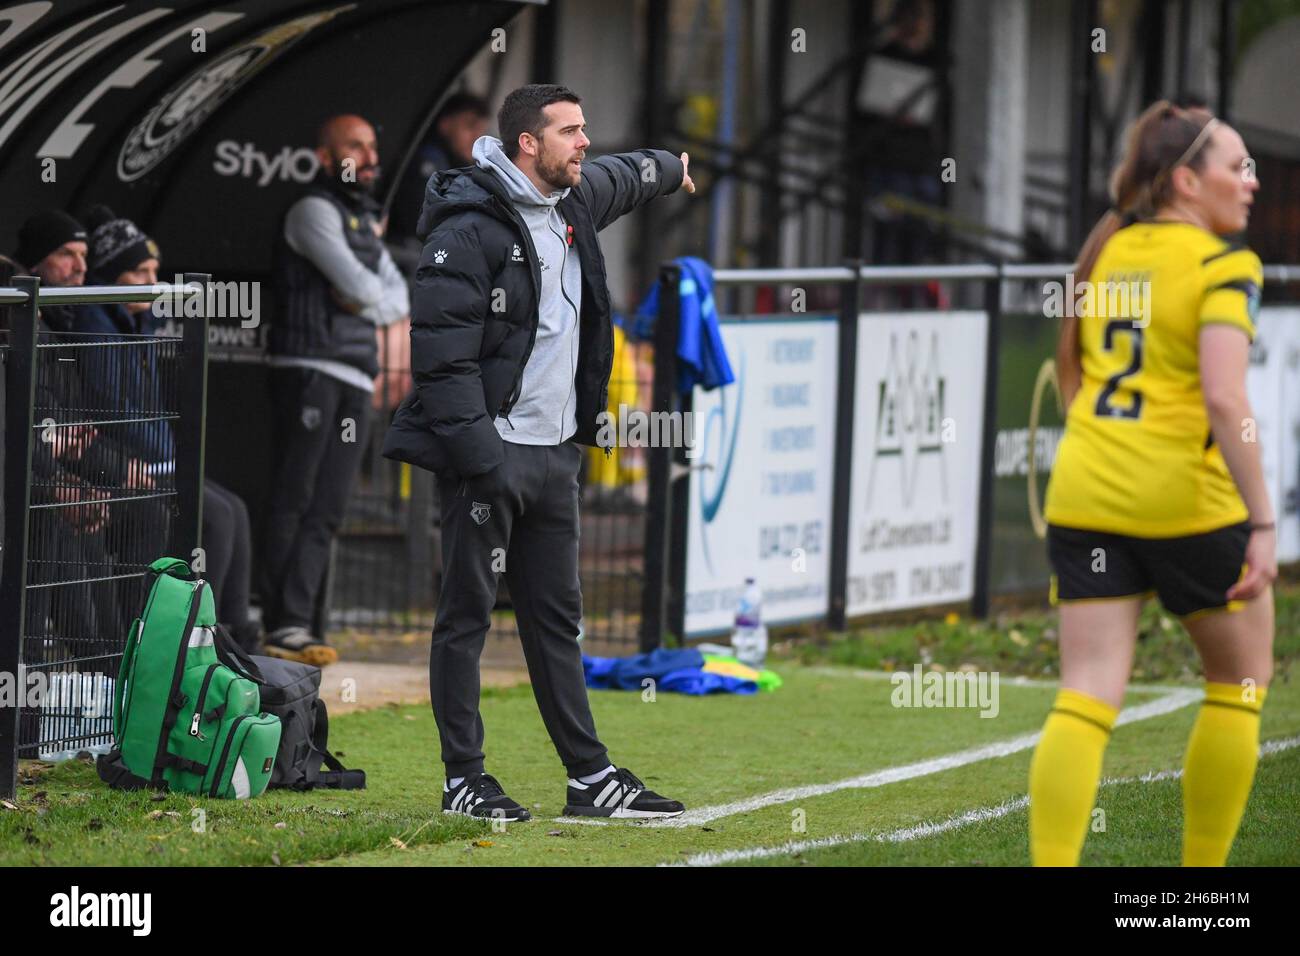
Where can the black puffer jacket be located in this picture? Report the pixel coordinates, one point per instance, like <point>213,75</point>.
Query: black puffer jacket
<point>467,358</point>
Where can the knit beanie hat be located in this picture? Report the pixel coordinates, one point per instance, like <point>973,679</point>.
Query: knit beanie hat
<point>45,232</point>
<point>116,245</point>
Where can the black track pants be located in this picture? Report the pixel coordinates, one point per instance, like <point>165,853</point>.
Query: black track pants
<point>521,519</point>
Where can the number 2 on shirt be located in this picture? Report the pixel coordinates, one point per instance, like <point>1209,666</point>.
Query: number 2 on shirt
<point>1104,407</point>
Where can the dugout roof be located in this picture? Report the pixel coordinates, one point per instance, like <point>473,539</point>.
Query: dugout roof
<point>206,148</point>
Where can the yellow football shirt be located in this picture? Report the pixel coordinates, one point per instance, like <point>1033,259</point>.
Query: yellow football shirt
<point>1137,457</point>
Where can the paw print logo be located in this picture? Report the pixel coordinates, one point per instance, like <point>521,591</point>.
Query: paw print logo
<point>439,256</point>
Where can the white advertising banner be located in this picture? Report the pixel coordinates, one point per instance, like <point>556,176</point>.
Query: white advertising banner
<point>1273,384</point>
<point>917,430</point>
<point>761,479</point>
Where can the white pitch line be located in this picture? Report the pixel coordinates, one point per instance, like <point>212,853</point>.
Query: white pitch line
<point>1014,681</point>
<point>907,834</point>
<point>718,857</point>
<point>1175,700</point>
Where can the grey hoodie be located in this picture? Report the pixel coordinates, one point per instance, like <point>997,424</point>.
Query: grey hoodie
<point>545,413</point>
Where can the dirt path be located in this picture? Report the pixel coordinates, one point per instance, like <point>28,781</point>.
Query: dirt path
<point>361,685</point>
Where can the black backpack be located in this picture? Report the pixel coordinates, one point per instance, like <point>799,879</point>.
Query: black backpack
<point>291,691</point>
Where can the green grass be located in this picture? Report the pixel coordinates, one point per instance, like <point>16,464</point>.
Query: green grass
<point>822,726</point>
<point>829,722</point>
<point>66,816</point>
<point>1026,643</point>
<point>1142,829</point>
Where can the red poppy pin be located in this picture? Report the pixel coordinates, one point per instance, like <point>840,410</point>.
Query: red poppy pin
<point>570,236</point>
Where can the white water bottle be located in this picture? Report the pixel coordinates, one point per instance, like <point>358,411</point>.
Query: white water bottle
<point>749,636</point>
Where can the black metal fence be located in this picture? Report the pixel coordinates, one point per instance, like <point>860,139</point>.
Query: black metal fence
<point>386,572</point>
<point>102,475</point>
<point>844,290</point>
<point>83,515</point>
<point>847,290</point>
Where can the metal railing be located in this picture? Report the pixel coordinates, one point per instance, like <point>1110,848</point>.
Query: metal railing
<point>75,543</point>
<point>385,575</point>
<point>664,605</point>
<point>103,473</point>
<point>384,580</point>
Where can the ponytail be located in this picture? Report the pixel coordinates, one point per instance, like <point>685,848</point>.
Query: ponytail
<point>1109,224</point>
<point>1163,138</point>
<point>1160,140</point>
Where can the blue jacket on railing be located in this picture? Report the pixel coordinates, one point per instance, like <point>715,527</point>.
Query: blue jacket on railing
<point>701,354</point>
<point>125,381</point>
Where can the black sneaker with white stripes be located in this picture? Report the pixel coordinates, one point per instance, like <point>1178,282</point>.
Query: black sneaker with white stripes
<point>620,795</point>
<point>480,796</point>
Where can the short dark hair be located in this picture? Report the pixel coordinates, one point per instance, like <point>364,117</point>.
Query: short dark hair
<point>522,112</point>
<point>463,102</point>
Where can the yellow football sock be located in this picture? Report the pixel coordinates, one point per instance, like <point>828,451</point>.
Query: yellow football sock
<point>1064,774</point>
<point>1218,771</point>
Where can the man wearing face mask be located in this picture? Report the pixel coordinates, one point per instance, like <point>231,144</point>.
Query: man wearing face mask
<point>511,347</point>
<point>335,285</point>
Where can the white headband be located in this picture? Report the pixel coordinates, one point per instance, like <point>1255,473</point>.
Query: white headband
<point>1201,137</point>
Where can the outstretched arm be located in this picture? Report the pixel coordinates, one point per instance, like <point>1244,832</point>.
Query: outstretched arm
<point>615,185</point>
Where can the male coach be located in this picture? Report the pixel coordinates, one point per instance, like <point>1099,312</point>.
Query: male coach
<point>335,285</point>
<point>511,347</point>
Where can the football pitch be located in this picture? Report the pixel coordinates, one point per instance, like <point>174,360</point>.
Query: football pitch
<point>825,771</point>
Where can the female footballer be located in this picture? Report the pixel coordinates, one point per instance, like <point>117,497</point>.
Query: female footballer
<point>1157,486</point>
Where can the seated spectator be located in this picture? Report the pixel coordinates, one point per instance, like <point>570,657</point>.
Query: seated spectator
<point>461,120</point>
<point>52,247</point>
<point>120,254</point>
<point>74,466</point>
<point>55,248</point>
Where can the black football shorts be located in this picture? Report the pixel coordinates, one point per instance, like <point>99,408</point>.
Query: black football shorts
<point>1189,574</point>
